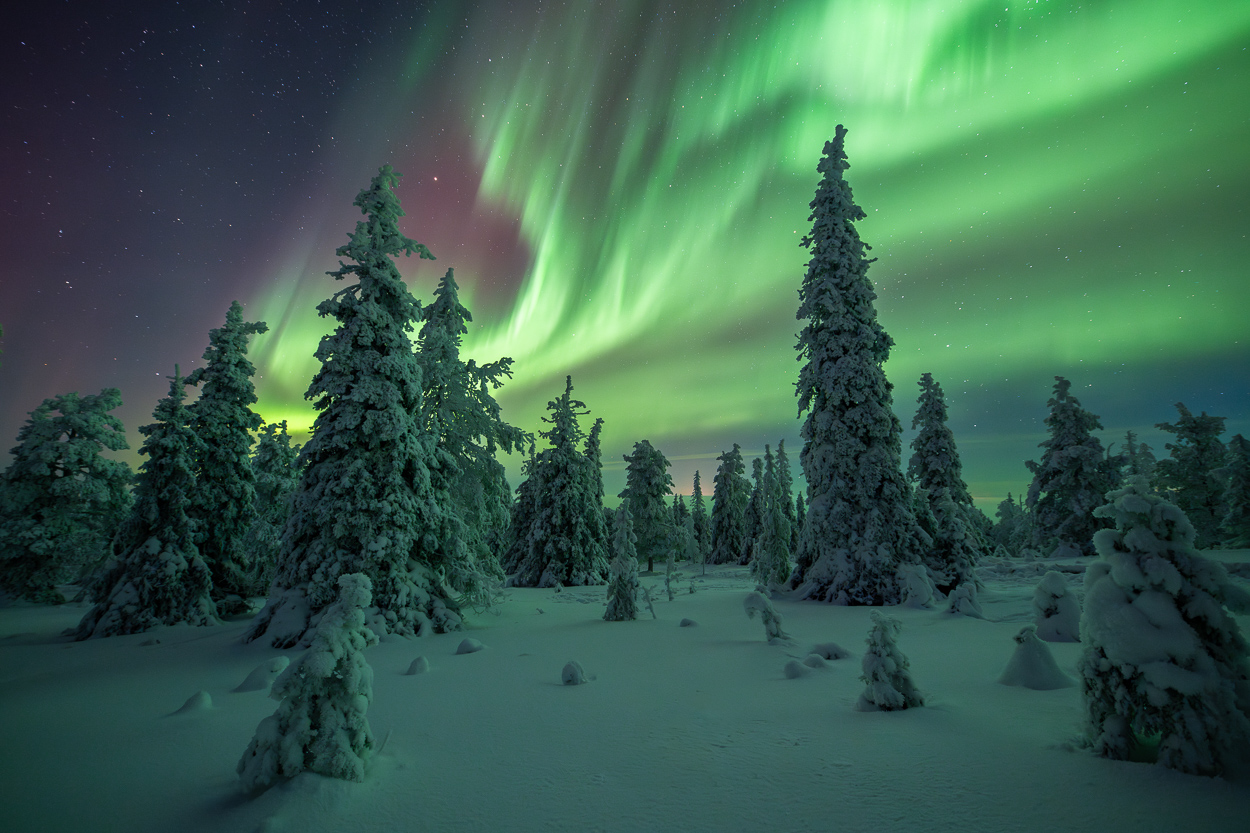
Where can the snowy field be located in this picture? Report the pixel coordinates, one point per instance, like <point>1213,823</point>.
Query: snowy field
<point>682,728</point>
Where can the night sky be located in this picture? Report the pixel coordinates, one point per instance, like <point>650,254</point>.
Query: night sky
<point>1053,188</point>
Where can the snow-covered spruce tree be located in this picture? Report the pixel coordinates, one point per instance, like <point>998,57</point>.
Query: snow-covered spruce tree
<point>730,493</point>
<point>800,516</point>
<point>756,602</point>
<point>594,457</point>
<point>935,463</point>
<point>1163,655</point>
<point>1236,522</point>
<point>699,516</point>
<point>223,503</point>
<point>785,493</point>
<point>1139,460</point>
<point>60,499</point>
<point>859,526</point>
<point>680,511</point>
<point>567,542</point>
<point>647,482</point>
<point>459,408</point>
<point>1189,476</point>
<point>274,463</point>
<point>321,725</point>
<point>155,575</point>
<point>1072,478</point>
<point>1056,612</point>
<point>366,501</point>
<point>623,585</point>
<point>886,674</point>
<point>771,564</point>
<point>952,557</point>
<point>521,518</point>
<point>1012,531</point>
<point>753,518</point>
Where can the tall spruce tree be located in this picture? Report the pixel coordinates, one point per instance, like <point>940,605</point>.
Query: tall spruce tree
<point>275,464</point>
<point>785,493</point>
<point>702,524</point>
<point>594,456</point>
<point>859,527</point>
<point>566,542</point>
<point>155,575</point>
<point>1072,478</point>
<point>753,519</point>
<point>730,494</point>
<point>623,586</point>
<point>224,500</point>
<point>1188,476</point>
<point>368,501</point>
<point>61,500</point>
<point>1236,523</point>
<point>770,564</point>
<point>647,484</point>
<point>460,410</point>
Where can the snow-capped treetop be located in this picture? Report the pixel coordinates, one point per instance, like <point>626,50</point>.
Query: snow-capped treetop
<point>1188,477</point>
<point>935,462</point>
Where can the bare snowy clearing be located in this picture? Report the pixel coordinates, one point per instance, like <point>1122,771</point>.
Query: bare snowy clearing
<point>691,729</point>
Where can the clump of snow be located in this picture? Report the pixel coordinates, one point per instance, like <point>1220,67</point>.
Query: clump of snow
<point>1056,612</point>
<point>198,702</point>
<point>263,675</point>
<point>815,661</point>
<point>420,665</point>
<point>320,725</point>
<point>469,646</point>
<point>886,674</point>
<point>1032,665</point>
<point>756,602</point>
<point>830,650</point>
<point>917,586</point>
<point>1163,656</point>
<point>573,674</point>
<point>687,623</point>
<point>963,601</point>
<point>795,669</point>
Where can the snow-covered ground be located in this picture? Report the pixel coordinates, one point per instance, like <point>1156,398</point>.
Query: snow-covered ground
<point>681,728</point>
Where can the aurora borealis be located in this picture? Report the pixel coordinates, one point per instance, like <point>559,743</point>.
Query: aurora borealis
<point>1053,188</point>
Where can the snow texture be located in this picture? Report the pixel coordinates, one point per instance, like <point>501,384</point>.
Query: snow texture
<point>321,724</point>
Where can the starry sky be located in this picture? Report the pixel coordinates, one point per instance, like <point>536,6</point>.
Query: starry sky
<point>1052,188</point>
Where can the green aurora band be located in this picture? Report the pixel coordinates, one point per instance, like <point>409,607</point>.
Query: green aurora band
<point>1052,188</point>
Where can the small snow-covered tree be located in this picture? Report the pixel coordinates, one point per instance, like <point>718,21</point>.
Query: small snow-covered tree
<point>1071,479</point>
<point>61,500</point>
<point>223,503</point>
<point>1189,476</point>
<point>623,585</point>
<point>369,498</point>
<point>699,517</point>
<point>274,463</point>
<point>756,602</point>
<point>1163,655</point>
<point>859,526</point>
<point>1056,612</point>
<point>567,542</point>
<point>647,483</point>
<point>730,494</point>
<point>155,575</point>
<point>321,725</point>
<point>459,408</point>
<point>1236,522</point>
<point>886,670</point>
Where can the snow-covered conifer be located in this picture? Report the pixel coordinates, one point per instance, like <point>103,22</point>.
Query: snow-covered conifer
<point>223,503</point>
<point>1072,478</point>
<point>964,602</point>
<point>1236,522</point>
<point>367,500</point>
<point>1139,460</point>
<point>1163,654</point>
<point>274,462</point>
<point>459,408</point>
<point>60,499</point>
<point>886,675</point>
<point>917,586</point>
<point>594,456</point>
<point>1012,531</point>
<point>953,555</point>
<point>623,585</point>
<point>1032,665</point>
<point>521,518</point>
<point>1056,612</point>
<point>699,517</point>
<point>1189,476</point>
<point>785,493</point>
<point>567,543</point>
<point>155,575</point>
<point>647,483</point>
<point>771,563</point>
<point>321,724</point>
<point>753,519</point>
<point>730,494</point>
<point>756,602</point>
<point>859,526</point>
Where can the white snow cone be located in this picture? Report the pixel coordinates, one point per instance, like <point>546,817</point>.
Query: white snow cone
<point>1056,612</point>
<point>1163,658</point>
<point>890,686</point>
<point>1033,665</point>
<point>321,725</point>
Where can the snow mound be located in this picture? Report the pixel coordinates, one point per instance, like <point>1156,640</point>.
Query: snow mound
<point>1032,665</point>
<point>687,623</point>
<point>263,675</point>
<point>420,665</point>
<point>964,601</point>
<point>469,646</point>
<point>917,587</point>
<point>829,650</point>
<point>815,661</point>
<point>198,702</point>
<point>795,669</point>
<point>573,674</point>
